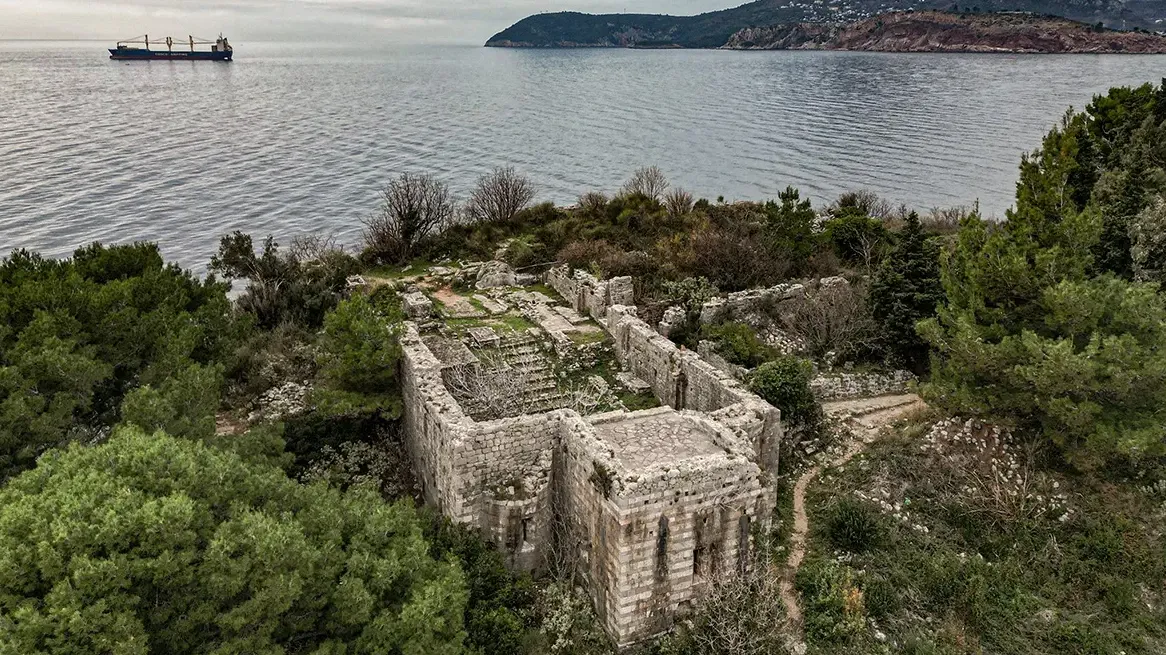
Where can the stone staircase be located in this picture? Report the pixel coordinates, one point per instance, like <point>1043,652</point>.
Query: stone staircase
<point>534,373</point>
<point>526,374</point>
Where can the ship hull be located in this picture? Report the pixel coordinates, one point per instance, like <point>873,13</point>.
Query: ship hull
<point>133,54</point>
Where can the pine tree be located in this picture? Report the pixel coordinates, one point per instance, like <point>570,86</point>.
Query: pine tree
<point>906,290</point>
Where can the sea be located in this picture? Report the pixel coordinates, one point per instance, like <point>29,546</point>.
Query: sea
<point>295,138</point>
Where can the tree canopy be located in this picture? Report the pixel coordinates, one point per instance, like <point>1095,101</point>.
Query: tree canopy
<point>1043,324</point>
<point>77,335</point>
<point>154,544</point>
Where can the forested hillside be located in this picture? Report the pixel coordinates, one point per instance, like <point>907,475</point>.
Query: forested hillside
<point>713,29</point>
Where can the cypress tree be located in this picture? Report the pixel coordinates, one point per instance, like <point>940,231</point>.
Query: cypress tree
<point>906,290</point>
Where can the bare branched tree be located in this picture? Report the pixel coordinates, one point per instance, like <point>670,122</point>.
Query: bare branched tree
<point>742,614</point>
<point>413,209</point>
<point>488,391</point>
<point>315,247</point>
<point>835,319</point>
<point>870,248</point>
<point>649,182</point>
<point>678,202</point>
<point>500,195</point>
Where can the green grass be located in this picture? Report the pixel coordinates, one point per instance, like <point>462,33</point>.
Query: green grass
<point>638,401</point>
<point>415,267</point>
<point>504,322</point>
<point>515,322</point>
<point>546,290</point>
<point>980,579</point>
<point>584,338</point>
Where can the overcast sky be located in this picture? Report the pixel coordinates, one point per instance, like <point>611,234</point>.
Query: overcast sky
<point>440,21</point>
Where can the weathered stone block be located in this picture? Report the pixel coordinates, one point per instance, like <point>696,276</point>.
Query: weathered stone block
<point>417,306</point>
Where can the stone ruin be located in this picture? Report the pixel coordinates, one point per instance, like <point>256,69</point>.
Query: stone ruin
<point>648,507</point>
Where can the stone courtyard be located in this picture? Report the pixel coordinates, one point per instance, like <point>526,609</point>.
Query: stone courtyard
<point>523,417</point>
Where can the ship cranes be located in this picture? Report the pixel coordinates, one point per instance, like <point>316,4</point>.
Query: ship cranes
<point>220,49</point>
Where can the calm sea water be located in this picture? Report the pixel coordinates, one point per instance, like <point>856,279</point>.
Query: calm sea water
<point>291,139</point>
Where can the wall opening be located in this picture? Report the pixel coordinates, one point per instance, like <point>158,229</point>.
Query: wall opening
<point>662,548</point>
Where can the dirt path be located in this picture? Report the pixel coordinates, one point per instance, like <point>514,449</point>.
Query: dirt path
<point>865,418</point>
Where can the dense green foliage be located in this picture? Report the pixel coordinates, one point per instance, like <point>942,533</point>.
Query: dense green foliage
<point>785,383</point>
<point>739,344</point>
<point>733,246</point>
<point>906,290</point>
<point>284,286</point>
<point>1042,326</point>
<point>501,605</point>
<point>77,335</point>
<point>360,351</point>
<point>152,544</point>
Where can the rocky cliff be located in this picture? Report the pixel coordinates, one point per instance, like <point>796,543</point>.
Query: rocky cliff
<point>950,32</point>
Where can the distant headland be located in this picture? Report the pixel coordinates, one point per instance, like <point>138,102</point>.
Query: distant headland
<point>773,25</point>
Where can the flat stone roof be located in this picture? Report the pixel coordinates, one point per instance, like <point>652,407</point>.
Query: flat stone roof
<point>642,442</point>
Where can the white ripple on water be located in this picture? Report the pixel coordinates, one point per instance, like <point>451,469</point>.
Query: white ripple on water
<point>280,143</point>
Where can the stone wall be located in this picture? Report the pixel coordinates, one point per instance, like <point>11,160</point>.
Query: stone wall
<point>495,474</point>
<point>436,429</point>
<point>649,539</point>
<point>589,295</point>
<point>646,506</point>
<point>750,301</point>
<point>844,386</point>
<point>682,380</point>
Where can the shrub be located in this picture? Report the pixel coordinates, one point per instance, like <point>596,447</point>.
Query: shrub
<point>359,354</point>
<point>853,526</point>
<point>735,258</point>
<point>857,239</point>
<point>568,624</point>
<point>413,209</point>
<point>738,343</point>
<point>833,603</point>
<point>587,255</point>
<point>236,558</point>
<point>785,384</point>
<point>863,202</point>
<point>501,604</point>
<point>1148,232</point>
<point>522,252</point>
<point>691,293</point>
<point>593,203</point>
<point>737,617</point>
<point>281,287</point>
<point>269,358</point>
<point>499,196</point>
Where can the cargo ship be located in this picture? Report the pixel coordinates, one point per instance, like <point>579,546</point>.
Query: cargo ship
<point>220,50</point>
